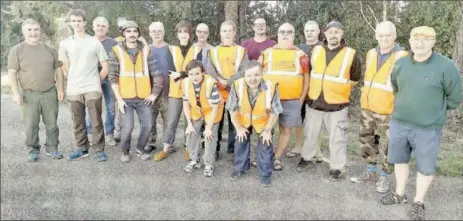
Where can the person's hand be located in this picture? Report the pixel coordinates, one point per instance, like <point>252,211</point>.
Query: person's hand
<point>189,129</point>
<point>302,100</point>
<point>223,83</point>
<point>266,136</point>
<point>208,134</point>
<point>18,98</point>
<point>60,96</point>
<point>121,106</point>
<point>150,99</point>
<point>174,75</point>
<point>241,134</point>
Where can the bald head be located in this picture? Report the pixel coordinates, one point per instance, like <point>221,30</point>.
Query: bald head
<point>286,26</point>
<point>202,26</point>
<point>286,35</point>
<point>202,32</point>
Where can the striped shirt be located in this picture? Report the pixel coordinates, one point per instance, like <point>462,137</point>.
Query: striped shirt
<point>233,101</point>
<point>213,99</point>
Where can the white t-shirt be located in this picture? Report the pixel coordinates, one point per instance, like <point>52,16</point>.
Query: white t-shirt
<point>83,56</point>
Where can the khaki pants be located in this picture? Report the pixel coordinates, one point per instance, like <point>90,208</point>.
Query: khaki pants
<point>41,104</point>
<point>336,124</point>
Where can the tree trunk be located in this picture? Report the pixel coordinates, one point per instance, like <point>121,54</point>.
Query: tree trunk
<point>385,10</point>
<point>231,11</point>
<point>242,19</point>
<point>458,46</point>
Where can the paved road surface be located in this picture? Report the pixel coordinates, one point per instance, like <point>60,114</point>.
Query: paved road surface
<point>146,190</point>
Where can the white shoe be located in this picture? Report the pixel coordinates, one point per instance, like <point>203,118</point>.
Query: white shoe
<point>209,171</point>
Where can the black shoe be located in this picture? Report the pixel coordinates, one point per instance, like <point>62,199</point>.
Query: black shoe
<point>216,155</point>
<point>236,176</point>
<point>305,164</point>
<point>417,211</point>
<point>336,175</point>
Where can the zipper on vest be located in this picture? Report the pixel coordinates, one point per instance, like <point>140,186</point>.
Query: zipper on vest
<point>371,82</point>
<point>135,79</point>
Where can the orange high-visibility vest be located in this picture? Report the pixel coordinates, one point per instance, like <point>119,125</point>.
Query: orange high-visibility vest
<point>377,93</point>
<point>180,62</point>
<point>226,60</point>
<point>284,67</point>
<point>134,79</point>
<point>258,116</point>
<point>334,78</point>
<point>205,92</point>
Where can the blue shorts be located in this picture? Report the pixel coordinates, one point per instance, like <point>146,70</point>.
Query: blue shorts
<point>291,115</point>
<point>423,142</point>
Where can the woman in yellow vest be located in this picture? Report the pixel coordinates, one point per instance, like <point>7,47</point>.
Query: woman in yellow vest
<point>203,108</point>
<point>181,55</point>
<point>254,104</point>
<point>224,63</point>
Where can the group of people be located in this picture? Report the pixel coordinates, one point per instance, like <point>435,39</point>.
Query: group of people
<point>404,98</point>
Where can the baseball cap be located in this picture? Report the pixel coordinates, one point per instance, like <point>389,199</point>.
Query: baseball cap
<point>335,24</point>
<point>129,24</point>
<point>424,31</point>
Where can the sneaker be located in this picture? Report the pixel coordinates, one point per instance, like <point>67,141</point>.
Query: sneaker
<point>161,155</point>
<point>317,159</point>
<point>149,149</point>
<point>78,154</point>
<point>55,155</point>
<point>190,166</point>
<point>393,198</point>
<point>305,164</point>
<point>382,185</point>
<point>236,176</point>
<point>335,175</point>
<point>171,149</point>
<point>417,211</point>
<point>145,156</point>
<point>125,158</point>
<point>365,176</point>
<point>101,156</point>
<point>265,181</point>
<point>209,171</point>
<point>110,140</point>
<point>33,156</point>
<point>186,154</point>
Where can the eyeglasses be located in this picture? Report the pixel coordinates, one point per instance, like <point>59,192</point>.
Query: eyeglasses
<point>426,39</point>
<point>261,25</point>
<point>202,32</point>
<point>156,31</point>
<point>283,32</point>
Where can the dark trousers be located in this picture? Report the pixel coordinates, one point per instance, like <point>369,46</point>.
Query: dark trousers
<point>264,155</point>
<point>231,133</point>
<point>94,107</point>
<point>127,121</point>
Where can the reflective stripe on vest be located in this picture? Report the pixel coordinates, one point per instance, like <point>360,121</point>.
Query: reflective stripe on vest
<point>388,85</point>
<point>238,59</point>
<point>126,73</point>
<point>268,96</point>
<point>338,79</point>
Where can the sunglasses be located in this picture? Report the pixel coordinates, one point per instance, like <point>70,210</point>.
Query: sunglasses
<point>202,32</point>
<point>283,32</point>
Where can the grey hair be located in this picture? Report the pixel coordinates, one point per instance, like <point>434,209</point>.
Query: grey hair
<point>311,22</point>
<point>101,19</point>
<point>228,22</point>
<point>29,21</point>
<point>252,64</point>
<point>388,24</point>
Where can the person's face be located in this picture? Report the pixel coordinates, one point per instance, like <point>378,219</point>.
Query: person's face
<point>334,36</point>
<point>77,23</point>
<point>100,29</point>
<point>286,34</point>
<point>311,32</point>
<point>422,45</point>
<point>260,26</point>
<point>131,35</point>
<point>183,35</point>
<point>32,32</point>
<point>196,75</point>
<point>227,33</point>
<point>157,33</point>
<point>202,33</point>
<point>385,37</point>
<point>253,77</point>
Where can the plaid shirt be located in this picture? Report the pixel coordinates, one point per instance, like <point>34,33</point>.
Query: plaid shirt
<point>114,68</point>
<point>233,103</point>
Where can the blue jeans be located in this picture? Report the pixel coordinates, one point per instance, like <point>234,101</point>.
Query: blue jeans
<point>127,121</point>
<point>109,100</point>
<point>264,155</point>
<point>423,142</point>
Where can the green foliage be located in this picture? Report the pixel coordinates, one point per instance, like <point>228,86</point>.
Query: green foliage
<point>443,16</point>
